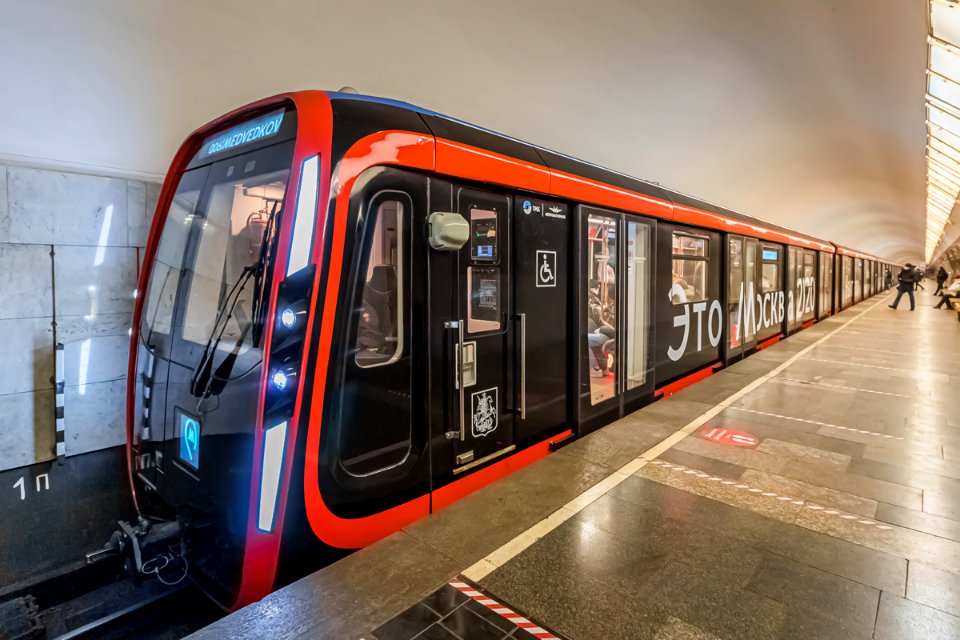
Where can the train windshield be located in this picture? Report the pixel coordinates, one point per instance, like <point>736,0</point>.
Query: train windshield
<point>206,290</point>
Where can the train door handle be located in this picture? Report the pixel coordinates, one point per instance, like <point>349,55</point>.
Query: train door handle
<point>523,365</point>
<point>460,379</point>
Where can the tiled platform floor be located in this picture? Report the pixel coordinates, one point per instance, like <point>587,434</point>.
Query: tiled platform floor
<point>835,514</point>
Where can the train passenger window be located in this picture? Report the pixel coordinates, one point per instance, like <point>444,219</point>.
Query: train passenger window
<point>638,313</point>
<point>690,264</point>
<point>770,270</point>
<point>375,403</point>
<point>601,300</point>
<point>379,335</point>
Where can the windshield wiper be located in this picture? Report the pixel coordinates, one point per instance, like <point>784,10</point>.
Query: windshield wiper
<point>199,383</point>
<point>205,381</point>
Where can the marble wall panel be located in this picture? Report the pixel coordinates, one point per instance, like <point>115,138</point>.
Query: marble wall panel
<point>26,281</point>
<point>27,428</point>
<point>94,416</point>
<point>26,355</point>
<point>92,281</point>
<point>95,349</point>
<point>3,194</point>
<point>55,207</point>
<point>137,225</point>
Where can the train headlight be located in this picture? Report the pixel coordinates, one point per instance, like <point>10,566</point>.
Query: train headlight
<point>282,378</point>
<point>292,316</point>
<point>288,318</point>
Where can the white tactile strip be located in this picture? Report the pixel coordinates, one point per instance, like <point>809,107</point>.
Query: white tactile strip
<point>679,468</point>
<point>840,386</point>
<point>509,550</point>
<point>818,423</point>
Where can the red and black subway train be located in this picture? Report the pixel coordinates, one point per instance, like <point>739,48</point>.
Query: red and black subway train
<point>353,312</point>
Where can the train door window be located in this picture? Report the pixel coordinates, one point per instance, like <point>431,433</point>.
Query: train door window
<point>379,334</point>
<point>375,407</point>
<point>638,295</point>
<point>770,269</point>
<point>809,279</point>
<point>749,278</point>
<point>847,274</point>
<point>690,264</point>
<point>858,280</point>
<point>826,283</point>
<point>736,287</point>
<point>601,300</point>
<point>484,311</point>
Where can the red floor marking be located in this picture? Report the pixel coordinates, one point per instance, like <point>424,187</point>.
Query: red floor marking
<point>730,437</point>
<point>530,627</point>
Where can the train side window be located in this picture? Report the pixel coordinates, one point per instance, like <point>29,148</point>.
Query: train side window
<point>380,331</point>
<point>770,271</point>
<point>690,265</point>
<point>375,398</point>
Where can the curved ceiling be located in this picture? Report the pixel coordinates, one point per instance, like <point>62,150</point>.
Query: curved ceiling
<point>808,114</point>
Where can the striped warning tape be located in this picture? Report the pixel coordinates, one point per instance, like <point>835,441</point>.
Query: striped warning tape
<point>481,598</point>
<point>679,468</point>
<point>59,381</point>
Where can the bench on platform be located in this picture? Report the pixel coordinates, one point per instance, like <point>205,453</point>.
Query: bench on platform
<point>955,303</point>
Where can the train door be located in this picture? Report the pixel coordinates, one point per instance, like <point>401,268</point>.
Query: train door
<point>771,306</point>
<point>473,331</point>
<point>615,316</point>
<point>825,298</point>
<point>792,289</point>
<point>690,314</point>
<point>741,292</point>
<point>858,280</point>
<point>806,286</point>
<point>846,275</point>
<point>541,264</point>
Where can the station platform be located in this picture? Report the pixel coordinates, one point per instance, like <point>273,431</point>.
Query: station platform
<point>810,491</point>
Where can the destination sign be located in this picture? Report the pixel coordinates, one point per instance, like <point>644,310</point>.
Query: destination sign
<point>258,129</point>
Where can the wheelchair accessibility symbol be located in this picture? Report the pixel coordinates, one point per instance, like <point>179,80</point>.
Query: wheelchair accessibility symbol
<point>546,268</point>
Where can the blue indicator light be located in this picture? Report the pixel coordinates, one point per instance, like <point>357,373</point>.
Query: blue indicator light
<point>769,254</point>
<point>258,129</point>
<point>190,440</point>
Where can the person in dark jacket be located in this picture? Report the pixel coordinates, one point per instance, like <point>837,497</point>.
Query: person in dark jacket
<point>941,280</point>
<point>906,281</point>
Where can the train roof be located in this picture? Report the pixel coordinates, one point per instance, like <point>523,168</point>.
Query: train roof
<point>457,130</point>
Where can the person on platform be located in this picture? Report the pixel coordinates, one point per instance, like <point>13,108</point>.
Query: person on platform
<point>941,280</point>
<point>906,282</point>
<point>888,280</point>
<point>951,292</point>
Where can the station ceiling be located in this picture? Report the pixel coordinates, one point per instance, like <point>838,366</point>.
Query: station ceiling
<point>809,114</point>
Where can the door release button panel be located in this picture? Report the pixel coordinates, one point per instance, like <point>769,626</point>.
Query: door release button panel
<point>469,368</point>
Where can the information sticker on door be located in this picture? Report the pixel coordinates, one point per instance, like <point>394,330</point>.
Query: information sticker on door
<point>485,412</point>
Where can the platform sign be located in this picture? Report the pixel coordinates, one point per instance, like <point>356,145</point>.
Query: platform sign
<point>730,437</point>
